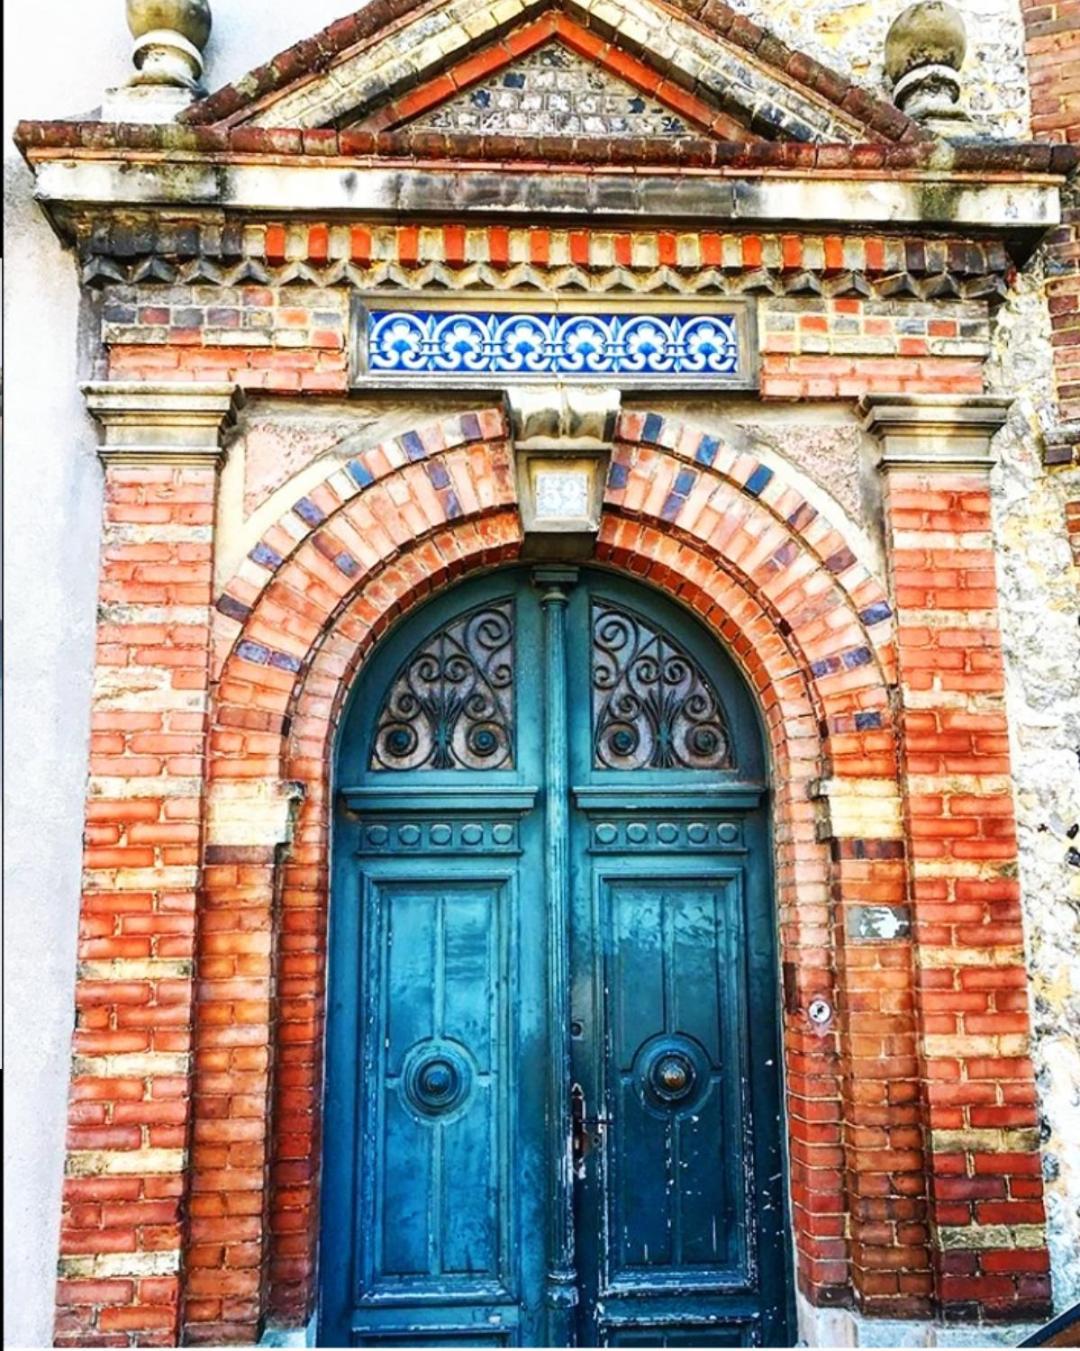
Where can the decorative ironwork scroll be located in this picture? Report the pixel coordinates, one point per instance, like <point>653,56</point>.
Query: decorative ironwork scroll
<point>451,705</point>
<point>534,343</point>
<point>653,707</point>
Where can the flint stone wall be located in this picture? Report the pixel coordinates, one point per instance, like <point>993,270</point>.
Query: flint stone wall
<point>1039,584</point>
<point>849,35</point>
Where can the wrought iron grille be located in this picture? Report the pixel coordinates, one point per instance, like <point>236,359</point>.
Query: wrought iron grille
<point>451,706</point>
<point>653,707</point>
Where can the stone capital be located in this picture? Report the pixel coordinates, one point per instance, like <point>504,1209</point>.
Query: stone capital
<point>867,809</point>
<point>935,431</point>
<point>147,424</point>
<point>148,104</point>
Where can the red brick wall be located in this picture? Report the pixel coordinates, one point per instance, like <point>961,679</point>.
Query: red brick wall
<point>204,719</point>
<point>1072,522</point>
<point>984,1176</point>
<point>130,1105</point>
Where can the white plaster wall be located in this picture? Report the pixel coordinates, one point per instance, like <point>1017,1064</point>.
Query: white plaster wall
<point>52,503</point>
<point>59,56</point>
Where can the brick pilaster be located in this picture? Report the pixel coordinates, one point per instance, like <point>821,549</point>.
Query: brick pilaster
<point>129,1112</point>
<point>248,823</point>
<point>971,997</point>
<point>883,1159</point>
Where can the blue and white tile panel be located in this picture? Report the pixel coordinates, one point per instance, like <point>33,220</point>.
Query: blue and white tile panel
<point>481,342</point>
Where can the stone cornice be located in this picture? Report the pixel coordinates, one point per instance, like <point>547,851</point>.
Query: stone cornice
<point>149,424</point>
<point>1018,205</point>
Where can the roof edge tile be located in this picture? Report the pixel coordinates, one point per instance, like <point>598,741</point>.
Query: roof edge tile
<point>316,53</point>
<point>1032,157</point>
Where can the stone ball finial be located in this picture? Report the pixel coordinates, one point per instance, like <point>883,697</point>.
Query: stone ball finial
<point>170,36</point>
<point>931,33</point>
<point>924,50</point>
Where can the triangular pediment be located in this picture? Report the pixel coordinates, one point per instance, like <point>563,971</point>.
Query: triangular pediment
<point>553,90</point>
<point>603,69</point>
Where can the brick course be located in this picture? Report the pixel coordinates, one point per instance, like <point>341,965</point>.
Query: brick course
<point>984,1176</point>
<point>42,140</point>
<point>130,1104</point>
<point>197,268</point>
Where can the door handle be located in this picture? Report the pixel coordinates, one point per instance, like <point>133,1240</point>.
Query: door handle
<point>582,1129</point>
<point>579,1135</point>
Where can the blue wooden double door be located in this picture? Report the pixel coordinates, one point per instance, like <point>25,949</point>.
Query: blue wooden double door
<point>553,1111</point>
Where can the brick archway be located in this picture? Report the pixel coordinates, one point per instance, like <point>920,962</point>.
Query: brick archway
<point>810,627</point>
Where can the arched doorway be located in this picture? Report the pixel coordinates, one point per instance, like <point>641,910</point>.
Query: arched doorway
<point>553,1087</point>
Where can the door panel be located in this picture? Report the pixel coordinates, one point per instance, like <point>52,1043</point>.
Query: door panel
<point>442,1124</point>
<point>737,1333</point>
<point>680,1232</point>
<point>435,1052</point>
<point>460,1339</point>
<point>675,1188</point>
<point>437,1171</point>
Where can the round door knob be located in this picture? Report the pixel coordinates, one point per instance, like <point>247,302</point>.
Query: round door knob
<point>437,1080</point>
<point>672,1076</point>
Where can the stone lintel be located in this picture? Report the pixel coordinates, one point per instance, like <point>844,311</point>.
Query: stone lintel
<point>167,423</point>
<point>935,431</point>
<point>1016,204</point>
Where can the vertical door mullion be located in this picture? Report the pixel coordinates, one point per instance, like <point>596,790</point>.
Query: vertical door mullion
<point>586,975</point>
<point>561,1284</point>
